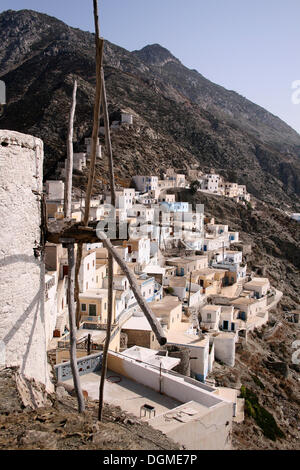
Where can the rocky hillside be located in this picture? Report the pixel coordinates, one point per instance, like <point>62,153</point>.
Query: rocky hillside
<point>181,118</point>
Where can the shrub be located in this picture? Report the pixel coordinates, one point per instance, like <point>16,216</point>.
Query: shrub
<point>262,417</point>
<point>258,382</point>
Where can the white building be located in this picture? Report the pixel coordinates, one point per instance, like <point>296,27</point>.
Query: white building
<point>55,190</point>
<point>125,198</point>
<point>127,118</point>
<point>79,161</point>
<point>210,317</point>
<point>228,322</point>
<point>87,273</point>
<point>145,183</point>
<point>139,250</point>
<point>211,182</point>
<point>88,143</point>
<point>259,285</point>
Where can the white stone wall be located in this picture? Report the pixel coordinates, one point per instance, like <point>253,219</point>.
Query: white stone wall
<point>225,348</point>
<point>22,275</point>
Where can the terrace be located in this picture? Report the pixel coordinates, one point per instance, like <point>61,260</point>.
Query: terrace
<point>124,392</point>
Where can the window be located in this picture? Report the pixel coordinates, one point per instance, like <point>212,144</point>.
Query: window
<point>88,267</point>
<point>83,307</point>
<point>209,316</point>
<point>93,310</point>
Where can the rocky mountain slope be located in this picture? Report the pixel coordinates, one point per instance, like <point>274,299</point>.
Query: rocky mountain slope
<point>181,118</point>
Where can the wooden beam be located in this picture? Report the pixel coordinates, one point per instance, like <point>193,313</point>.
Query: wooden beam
<point>154,323</point>
<point>95,134</point>
<point>72,324</point>
<point>108,142</point>
<point>70,229</point>
<point>84,234</point>
<point>70,159</point>
<point>110,257</point>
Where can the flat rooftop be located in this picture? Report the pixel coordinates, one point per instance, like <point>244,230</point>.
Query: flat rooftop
<point>257,281</point>
<point>165,305</point>
<point>243,301</point>
<point>172,420</point>
<point>177,281</point>
<point>94,294</point>
<point>186,259</point>
<point>204,272</point>
<point>97,336</point>
<point>137,323</point>
<point>209,308</point>
<point>123,392</point>
<point>179,335</point>
<point>155,269</point>
<point>151,357</point>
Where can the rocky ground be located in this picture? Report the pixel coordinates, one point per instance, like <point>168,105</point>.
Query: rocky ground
<point>58,426</point>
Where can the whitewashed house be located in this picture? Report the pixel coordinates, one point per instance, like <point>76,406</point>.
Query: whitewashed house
<point>55,191</point>
<point>210,317</point>
<point>259,285</point>
<point>145,183</point>
<point>87,273</point>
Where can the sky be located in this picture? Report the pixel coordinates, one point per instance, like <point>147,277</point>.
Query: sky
<point>249,46</point>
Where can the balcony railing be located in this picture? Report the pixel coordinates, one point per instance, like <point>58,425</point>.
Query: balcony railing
<point>86,365</point>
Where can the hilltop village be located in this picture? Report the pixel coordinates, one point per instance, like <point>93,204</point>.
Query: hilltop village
<point>193,274</point>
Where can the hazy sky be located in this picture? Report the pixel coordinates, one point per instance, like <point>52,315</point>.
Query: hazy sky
<point>250,46</point>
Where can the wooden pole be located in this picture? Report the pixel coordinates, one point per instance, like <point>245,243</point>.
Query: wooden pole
<point>77,287</point>
<point>92,235</point>
<point>108,142</point>
<point>89,344</point>
<point>190,286</point>
<point>95,136</point>
<point>110,257</point>
<point>69,169</point>
<point>99,54</point>
<point>154,323</point>
<point>72,324</point>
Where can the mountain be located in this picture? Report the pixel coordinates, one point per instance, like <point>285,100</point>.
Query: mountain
<point>180,117</point>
